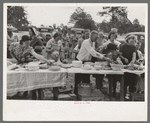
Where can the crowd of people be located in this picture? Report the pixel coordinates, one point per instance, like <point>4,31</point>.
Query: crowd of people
<point>86,46</point>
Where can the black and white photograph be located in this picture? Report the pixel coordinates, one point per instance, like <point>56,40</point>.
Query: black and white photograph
<point>75,59</point>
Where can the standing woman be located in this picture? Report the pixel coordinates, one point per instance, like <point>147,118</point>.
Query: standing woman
<point>54,48</point>
<point>128,50</point>
<point>111,39</point>
<point>11,38</point>
<point>99,78</point>
<point>101,40</point>
<point>36,42</point>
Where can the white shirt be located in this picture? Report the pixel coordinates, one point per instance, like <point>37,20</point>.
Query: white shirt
<point>12,39</point>
<point>87,51</point>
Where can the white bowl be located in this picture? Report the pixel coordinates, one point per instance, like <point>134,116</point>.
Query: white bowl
<point>77,64</point>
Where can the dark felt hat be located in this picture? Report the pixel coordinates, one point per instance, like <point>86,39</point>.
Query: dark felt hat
<point>25,38</point>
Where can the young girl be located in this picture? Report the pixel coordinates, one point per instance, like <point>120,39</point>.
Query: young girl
<point>113,54</point>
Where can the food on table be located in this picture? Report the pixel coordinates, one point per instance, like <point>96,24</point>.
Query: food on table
<point>116,67</point>
<point>89,63</point>
<point>98,67</point>
<point>134,67</point>
<point>32,66</point>
<point>65,61</point>
<point>106,67</point>
<point>12,67</point>
<point>77,64</point>
<point>66,65</point>
<point>54,68</point>
<point>102,67</point>
<point>43,66</point>
<point>86,67</point>
<point>58,63</point>
<point>140,68</point>
<point>97,63</point>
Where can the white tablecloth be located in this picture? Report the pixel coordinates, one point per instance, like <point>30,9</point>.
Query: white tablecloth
<point>92,71</point>
<point>30,80</point>
<point>137,72</point>
<point>110,72</point>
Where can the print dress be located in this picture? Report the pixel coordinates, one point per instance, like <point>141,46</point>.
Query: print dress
<point>20,53</point>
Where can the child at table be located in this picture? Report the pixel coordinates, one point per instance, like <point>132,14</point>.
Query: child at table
<point>113,54</point>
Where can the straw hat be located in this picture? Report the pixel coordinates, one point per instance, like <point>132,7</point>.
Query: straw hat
<point>115,30</point>
<point>10,28</point>
<point>131,36</point>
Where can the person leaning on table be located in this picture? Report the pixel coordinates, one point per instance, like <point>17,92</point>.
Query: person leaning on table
<point>54,48</point>
<point>128,51</point>
<point>23,52</point>
<point>111,39</point>
<point>85,55</point>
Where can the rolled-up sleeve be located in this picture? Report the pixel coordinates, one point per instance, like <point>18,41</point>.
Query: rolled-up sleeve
<point>91,50</point>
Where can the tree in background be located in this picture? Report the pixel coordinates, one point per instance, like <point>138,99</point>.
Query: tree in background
<point>136,26</point>
<point>117,13</point>
<point>119,20</point>
<point>104,26</point>
<point>17,16</point>
<point>82,20</point>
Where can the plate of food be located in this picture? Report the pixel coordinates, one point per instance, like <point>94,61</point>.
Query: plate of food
<point>116,67</point>
<point>87,67</point>
<point>43,66</point>
<point>54,68</point>
<point>89,63</point>
<point>134,67</point>
<point>66,65</point>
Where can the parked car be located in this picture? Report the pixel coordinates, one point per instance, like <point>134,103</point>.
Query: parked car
<point>45,33</point>
<point>77,31</point>
<point>139,35</point>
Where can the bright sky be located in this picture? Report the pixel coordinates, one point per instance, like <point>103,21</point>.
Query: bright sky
<point>48,14</point>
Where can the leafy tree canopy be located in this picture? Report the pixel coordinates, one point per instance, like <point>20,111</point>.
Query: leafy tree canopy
<point>17,16</point>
